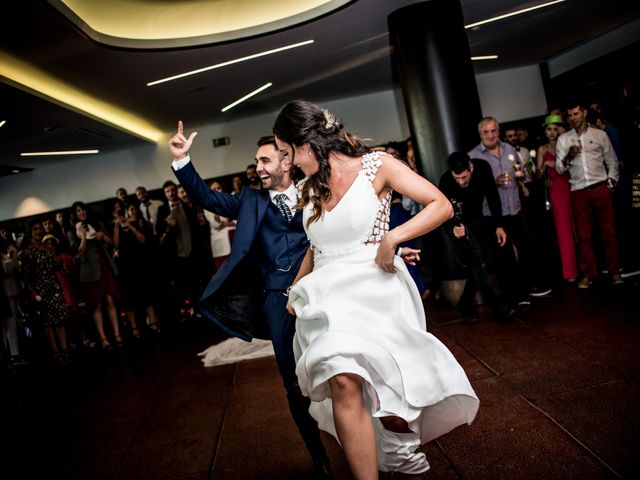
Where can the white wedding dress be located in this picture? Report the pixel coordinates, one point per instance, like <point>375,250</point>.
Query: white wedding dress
<point>353,317</point>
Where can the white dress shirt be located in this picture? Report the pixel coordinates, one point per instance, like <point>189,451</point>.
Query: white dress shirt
<point>596,161</point>
<point>291,197</point>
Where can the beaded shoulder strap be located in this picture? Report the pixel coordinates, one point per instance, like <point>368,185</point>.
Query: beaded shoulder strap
<point>371,163</point>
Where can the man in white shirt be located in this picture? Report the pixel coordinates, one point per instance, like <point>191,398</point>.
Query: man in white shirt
<point>587,154</point>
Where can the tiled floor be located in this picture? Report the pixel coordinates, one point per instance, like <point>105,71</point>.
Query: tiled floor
<point>559,390</point>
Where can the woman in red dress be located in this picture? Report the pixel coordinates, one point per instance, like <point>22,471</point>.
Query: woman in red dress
<point>559,193</point>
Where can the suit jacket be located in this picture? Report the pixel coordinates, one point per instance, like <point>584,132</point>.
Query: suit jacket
<point>263,238</point>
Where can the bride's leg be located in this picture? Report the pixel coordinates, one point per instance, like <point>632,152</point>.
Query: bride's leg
<point>354,426</point>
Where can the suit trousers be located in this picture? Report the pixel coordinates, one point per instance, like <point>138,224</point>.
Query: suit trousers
<point>282,328</point>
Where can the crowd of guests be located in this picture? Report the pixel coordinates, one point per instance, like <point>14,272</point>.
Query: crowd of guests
<point>525,209</point>
<point>88,281</point>
<point>72,268</point>
<point>503,190</point>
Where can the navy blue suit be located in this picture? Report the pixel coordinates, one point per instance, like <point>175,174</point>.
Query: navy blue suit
<point>246,303</point>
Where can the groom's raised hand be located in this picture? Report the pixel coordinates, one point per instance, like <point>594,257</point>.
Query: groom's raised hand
<point>179,145</point>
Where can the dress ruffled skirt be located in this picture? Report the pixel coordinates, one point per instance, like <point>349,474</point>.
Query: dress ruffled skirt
<point>354,318</point>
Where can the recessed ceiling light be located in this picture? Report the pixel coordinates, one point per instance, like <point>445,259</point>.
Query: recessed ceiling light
<point>15,170</point>
<point>230,62</point>
<point>517,12</point>
<point>248,95</point>
<point>2,122</point>
<point>67,152</point>
<point>485,57</point>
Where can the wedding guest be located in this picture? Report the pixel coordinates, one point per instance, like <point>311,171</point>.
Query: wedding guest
<point>222,230</point>
<point>39,266</point>
<point>559,197</point>
<point>132,237</point>
<point>97,272</point>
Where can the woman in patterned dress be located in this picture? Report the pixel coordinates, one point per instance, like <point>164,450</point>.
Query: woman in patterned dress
<point>39,266</point>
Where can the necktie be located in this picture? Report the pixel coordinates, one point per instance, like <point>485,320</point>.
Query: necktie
<point>282,206</point>
<point>146,207</point>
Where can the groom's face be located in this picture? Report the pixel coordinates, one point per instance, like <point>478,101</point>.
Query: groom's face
<point>272,168</point>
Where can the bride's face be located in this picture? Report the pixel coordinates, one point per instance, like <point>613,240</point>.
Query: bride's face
<point>302,156</point>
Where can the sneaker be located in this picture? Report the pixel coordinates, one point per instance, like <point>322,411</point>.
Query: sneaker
<point>18,360</point>
<point>617,279</point>
<point>584,283</point>
<point>540,292</point>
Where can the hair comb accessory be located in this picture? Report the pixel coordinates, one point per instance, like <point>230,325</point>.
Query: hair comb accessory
<point>330,119</point>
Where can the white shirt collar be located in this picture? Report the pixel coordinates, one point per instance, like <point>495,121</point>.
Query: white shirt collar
<point>290,192</point>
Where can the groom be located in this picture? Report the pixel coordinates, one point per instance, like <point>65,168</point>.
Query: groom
<point>270,235</point>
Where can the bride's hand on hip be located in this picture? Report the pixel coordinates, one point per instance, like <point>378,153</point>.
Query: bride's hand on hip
<point>385,255</point>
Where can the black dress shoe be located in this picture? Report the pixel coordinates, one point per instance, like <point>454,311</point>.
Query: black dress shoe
<point>321,470</point>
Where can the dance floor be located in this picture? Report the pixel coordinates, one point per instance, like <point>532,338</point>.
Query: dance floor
<point>558,386</point>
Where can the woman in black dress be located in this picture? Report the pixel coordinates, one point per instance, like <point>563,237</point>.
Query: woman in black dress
<point>133,240</point>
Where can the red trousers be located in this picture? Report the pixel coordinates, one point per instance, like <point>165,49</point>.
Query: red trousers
<point>584,203</point>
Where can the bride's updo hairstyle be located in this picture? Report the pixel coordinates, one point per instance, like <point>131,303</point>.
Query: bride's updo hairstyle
<point>301,122</point>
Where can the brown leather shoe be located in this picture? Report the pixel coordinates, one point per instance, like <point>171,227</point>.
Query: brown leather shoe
<point>617,279</point>
<point>584,283</point>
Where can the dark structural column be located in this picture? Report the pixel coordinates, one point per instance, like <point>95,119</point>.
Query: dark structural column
<point>432,59</point>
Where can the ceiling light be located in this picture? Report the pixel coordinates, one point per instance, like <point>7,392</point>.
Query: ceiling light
<point>2,122</point>
<point>230,62</point>
<point>248,95</point>
<point>485,57</point>
<point>15,170</point>
<point>517,12</point>
<point>68,152</point>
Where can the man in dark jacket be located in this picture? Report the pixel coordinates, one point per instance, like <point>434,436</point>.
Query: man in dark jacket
<point>269,234</point>
<point>470,186</point>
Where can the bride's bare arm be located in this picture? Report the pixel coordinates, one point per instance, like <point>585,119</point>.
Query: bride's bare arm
<point>437,208</point>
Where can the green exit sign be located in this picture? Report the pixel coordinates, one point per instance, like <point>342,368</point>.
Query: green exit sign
<point>221,142</point>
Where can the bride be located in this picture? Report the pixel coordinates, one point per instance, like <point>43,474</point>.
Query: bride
<point>377,380</point>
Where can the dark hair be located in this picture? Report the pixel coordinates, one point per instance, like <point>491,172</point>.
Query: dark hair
<point>267,140</point>
<point>400,147</point>
<point>28,236</point>
<point>111,204</point>
<point>251,165</point>
<point>168,183</point>
<point>74,207</point>
<point>301,122</point>
<point>459,162</point>
<point>66,219</point>
<point>577,102</point>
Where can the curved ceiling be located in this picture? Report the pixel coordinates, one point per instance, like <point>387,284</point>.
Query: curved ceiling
<point>170,24</point>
